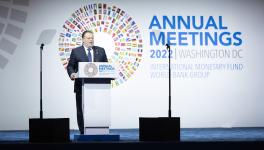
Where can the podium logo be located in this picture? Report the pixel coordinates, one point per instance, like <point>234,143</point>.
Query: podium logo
<point>108,68</point>
<point>90,70</point>
<point>114,29</point>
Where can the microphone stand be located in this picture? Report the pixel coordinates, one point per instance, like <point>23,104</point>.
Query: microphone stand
<point>161,128</point>
<point>168,48</point>
<point>41,111</point>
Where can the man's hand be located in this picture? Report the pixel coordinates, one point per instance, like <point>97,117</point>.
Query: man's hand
<point>73,76</point>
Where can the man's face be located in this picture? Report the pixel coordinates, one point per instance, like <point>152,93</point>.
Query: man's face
<point>88,40</point>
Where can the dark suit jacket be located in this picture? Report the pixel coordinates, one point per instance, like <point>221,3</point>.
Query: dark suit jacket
<point>78,55</point>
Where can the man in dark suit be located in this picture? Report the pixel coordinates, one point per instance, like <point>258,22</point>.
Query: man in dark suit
<point>85,53</point>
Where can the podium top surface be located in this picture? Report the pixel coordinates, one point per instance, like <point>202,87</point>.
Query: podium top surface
<point>99,70</point>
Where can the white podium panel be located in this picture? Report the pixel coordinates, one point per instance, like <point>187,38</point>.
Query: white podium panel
<point>96,96</point>
<point>96,108</point>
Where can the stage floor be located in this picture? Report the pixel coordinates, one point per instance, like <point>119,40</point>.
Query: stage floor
<point>187,135</point>
<point>191,138</point>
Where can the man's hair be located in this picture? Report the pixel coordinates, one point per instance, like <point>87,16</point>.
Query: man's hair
<point>87,31</point>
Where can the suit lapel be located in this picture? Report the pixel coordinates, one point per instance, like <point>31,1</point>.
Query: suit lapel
<point>95,54</point>
<point>84,56</point>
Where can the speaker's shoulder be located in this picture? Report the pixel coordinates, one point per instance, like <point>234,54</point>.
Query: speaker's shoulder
<point>77,48</point>
<point>98,48</point>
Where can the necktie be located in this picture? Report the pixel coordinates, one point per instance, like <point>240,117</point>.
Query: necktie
<point>89,55</point>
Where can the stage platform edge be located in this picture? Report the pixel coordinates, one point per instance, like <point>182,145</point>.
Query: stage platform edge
<point>103,137</point>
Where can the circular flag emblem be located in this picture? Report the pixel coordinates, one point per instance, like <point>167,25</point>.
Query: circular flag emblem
<point>114,30</point>
<point>90,70</point>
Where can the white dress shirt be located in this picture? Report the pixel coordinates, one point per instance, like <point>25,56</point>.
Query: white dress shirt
<point>86,51</point>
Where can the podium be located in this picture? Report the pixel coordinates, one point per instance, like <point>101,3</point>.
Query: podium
<point>96,96</point>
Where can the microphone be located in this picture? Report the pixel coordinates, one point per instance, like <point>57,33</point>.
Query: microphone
<point>168,46</point>
<point>42,45</point>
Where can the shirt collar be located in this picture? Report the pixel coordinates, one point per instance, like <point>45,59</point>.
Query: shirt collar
<point>86,48</point>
